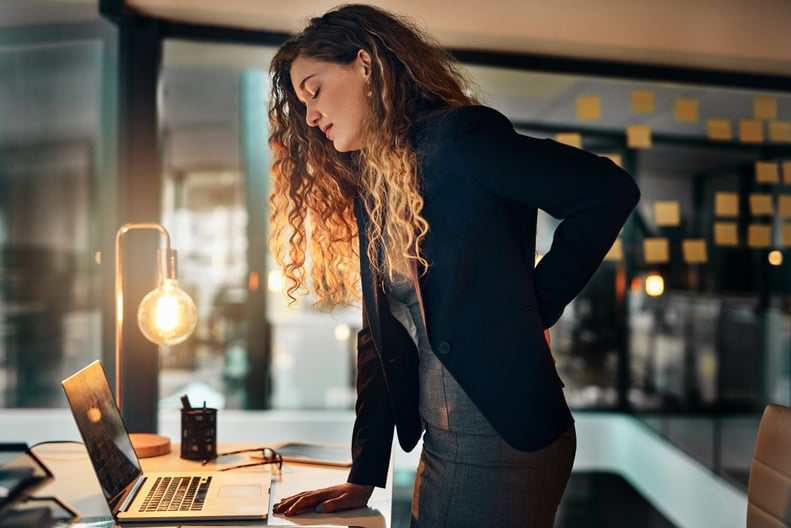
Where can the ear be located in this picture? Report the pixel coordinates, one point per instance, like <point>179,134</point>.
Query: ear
<point>364,62</point>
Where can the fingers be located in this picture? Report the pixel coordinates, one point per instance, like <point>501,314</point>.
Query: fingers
<point>296,503</point>
<point>344,502</point>
<point>327,500</point>
<point>352,496</point>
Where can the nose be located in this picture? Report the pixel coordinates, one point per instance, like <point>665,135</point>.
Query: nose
<point>312,115</point>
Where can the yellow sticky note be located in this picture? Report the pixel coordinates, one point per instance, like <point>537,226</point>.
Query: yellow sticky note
<point>667,213</point>
<point>638,136</point>
<point>780,131</point>
<point>719,129</point>
<point>787,235</point>
<point>765,107</point>
<point>787,172</point>
<point>726,204</point>
<point>761,204</point>
<point>656,250</point>
<point>726,234</point>
<point>751,131</point>
<point>588,108</point>
<point>572,139</point>
<point>784,205</point>
<point>686,110</point>
<point>694,251</point>
<point>759,236</point>
<point>767,172</point>
<point>615,158</point>
<point>616,251</point>
<point>643,102</point>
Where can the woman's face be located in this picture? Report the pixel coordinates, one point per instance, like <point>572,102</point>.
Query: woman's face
<point>334,96</point>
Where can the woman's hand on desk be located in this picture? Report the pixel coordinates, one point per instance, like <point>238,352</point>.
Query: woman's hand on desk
<point>341,497</point>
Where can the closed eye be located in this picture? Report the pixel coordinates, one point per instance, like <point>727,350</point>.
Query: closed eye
<point>316,93</point>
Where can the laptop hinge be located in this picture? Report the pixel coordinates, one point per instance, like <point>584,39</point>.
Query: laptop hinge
<point>132,494</point>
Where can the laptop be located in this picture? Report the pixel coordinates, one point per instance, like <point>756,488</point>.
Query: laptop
<point>137,497</point>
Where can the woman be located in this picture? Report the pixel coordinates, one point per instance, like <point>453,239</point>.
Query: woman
<point>389,178</point>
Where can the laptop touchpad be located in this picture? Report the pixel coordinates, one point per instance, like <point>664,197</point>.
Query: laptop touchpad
<point>239,491</point>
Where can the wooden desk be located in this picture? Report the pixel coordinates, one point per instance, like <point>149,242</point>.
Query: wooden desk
<point>76,483</point>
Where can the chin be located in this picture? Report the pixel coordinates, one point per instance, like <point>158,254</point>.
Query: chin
<point>341,148</point>
<point>346,146</point>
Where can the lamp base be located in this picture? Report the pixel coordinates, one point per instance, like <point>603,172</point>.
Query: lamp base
<point>148,445</point>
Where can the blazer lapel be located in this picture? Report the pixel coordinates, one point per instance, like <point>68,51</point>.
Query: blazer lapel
<point>374,301</point>
<point>416,283</point>
<point>368,280</point>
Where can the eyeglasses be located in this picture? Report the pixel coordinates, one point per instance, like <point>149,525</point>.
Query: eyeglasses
<point>267,456</point>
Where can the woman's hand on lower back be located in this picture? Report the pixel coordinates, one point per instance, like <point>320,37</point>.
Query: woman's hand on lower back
<point>327,500</point>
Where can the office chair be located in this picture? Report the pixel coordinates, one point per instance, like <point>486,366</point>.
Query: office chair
<point>769,487</point>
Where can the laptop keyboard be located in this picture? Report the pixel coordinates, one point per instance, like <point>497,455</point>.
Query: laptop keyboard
<point>176,494</point>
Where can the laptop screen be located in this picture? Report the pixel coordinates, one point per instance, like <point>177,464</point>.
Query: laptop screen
<point>103,431</point>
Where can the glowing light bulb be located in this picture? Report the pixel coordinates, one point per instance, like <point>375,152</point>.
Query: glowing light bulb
<point>654,285</point>
<point>342,332</point>
<point>167,316</point>
<point>275,281</point>
<point>775,258</point>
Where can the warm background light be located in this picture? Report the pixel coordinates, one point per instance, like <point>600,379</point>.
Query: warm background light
<point>654,285</point>
<point>775,257</point>
<point>275,281</point>
<point>252,281</point>
<point>342,332</point>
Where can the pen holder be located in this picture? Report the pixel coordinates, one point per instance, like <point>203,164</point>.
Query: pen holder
<point>198,433</point>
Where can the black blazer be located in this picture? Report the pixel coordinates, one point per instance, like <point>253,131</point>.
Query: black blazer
<point>485,303</point>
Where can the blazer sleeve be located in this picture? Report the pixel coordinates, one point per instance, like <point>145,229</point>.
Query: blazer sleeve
<point>591,195</point>
<point>372,438</point>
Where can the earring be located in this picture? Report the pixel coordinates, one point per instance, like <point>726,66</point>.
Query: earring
<point>370,93</point>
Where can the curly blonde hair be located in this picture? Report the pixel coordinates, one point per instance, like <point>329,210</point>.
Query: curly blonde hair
<point>313,222</point>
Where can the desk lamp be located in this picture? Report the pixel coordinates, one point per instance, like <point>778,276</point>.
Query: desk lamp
<point>166,316</point>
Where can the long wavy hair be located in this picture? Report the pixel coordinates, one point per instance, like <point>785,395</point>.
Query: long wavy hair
<point>314,235</point>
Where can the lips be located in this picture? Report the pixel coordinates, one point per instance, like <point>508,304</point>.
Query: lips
<point>326,130</point>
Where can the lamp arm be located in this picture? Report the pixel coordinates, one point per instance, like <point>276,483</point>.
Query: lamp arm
<point>119,296</point>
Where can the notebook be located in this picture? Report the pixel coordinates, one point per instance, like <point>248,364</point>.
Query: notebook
<point>319,454</point>
<point>136,497</point>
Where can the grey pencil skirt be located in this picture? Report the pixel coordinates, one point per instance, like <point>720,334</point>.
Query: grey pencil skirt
<point>467,480</point>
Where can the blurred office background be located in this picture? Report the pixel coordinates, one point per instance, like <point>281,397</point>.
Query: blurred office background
<point>697,361</point>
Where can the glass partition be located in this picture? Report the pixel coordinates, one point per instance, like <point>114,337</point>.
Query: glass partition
<point>214,121</point>
<point>55,152</point>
